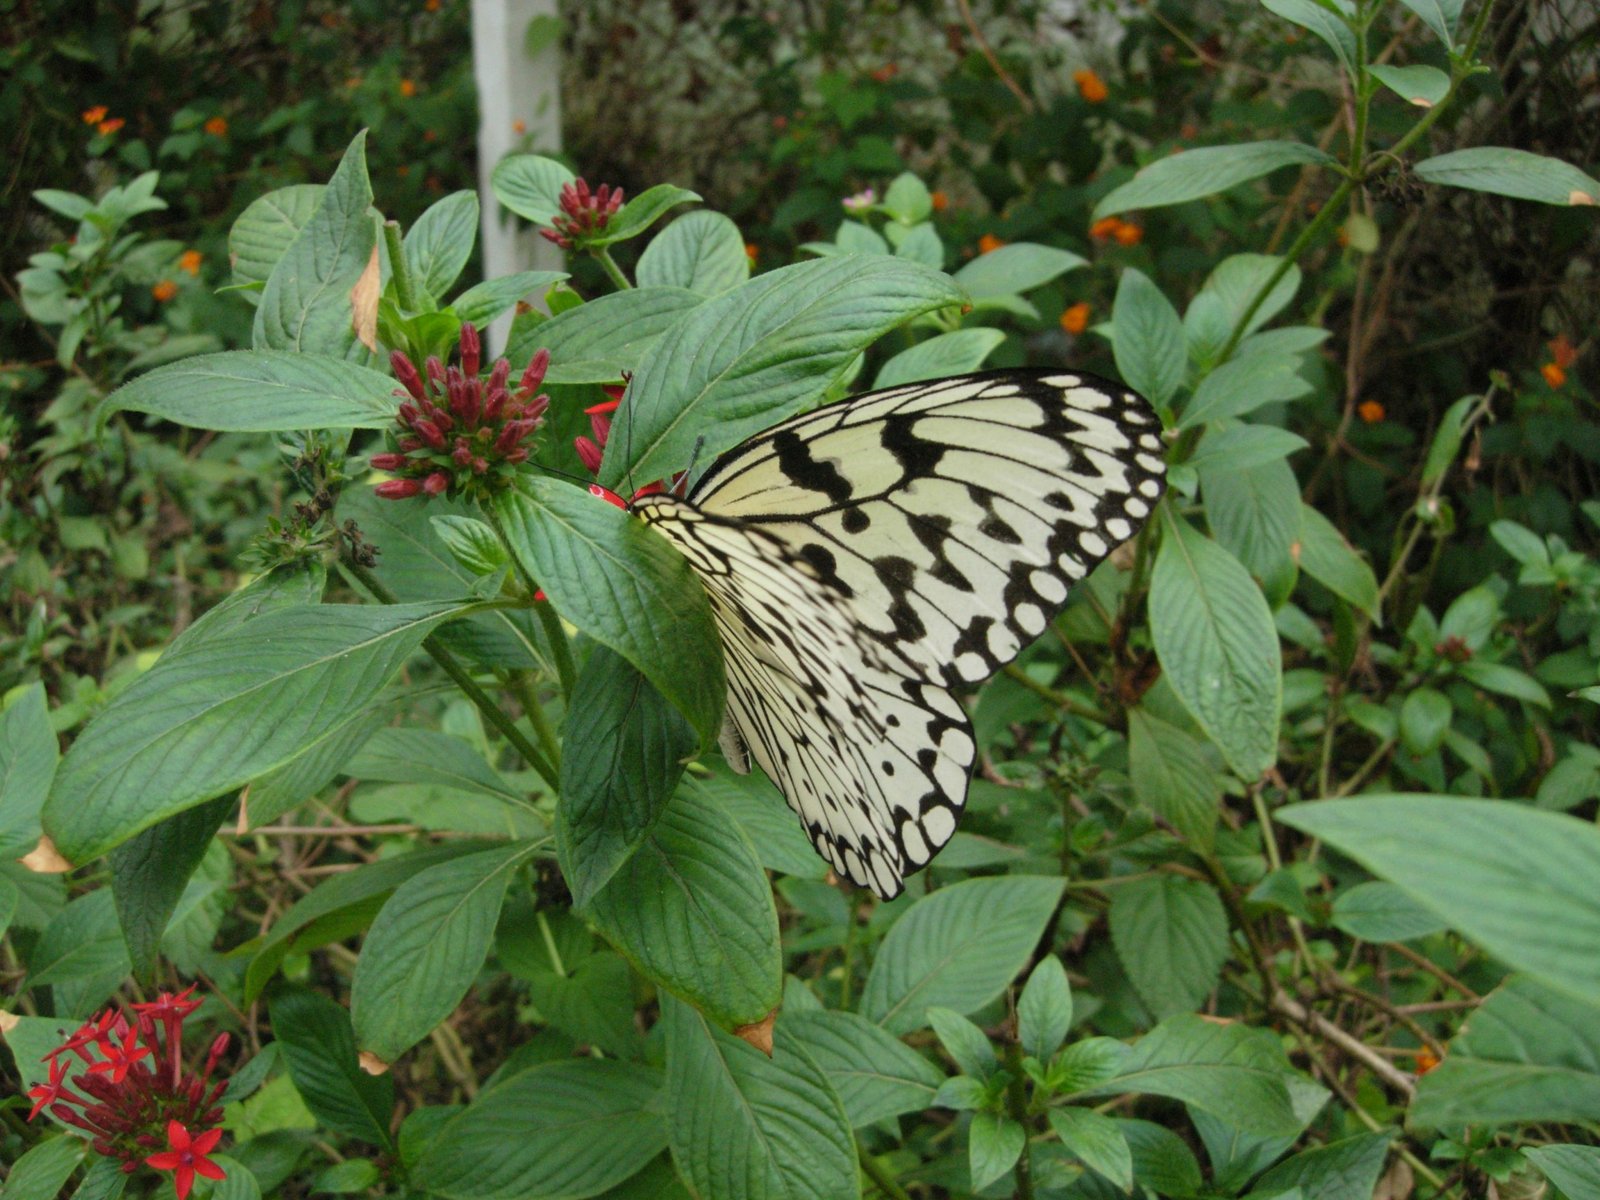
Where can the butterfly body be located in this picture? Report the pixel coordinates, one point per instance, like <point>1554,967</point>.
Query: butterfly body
<point>867,557</point>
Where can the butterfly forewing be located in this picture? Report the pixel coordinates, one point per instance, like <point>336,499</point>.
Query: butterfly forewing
<point>863,558</point>
<point>955,515</point>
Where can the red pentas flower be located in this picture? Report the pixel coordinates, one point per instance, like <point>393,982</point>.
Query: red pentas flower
<point>590,449</point>
<point>584,214</point>
<point>459,431</point>
<point>132,1093</point>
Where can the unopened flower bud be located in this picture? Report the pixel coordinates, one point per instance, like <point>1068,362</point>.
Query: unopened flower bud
<point>588,453</point>
<point>430,433</point>
<point>387,462</point>
<point>436,483</point>
<point>398,489</point>
<point>533,376</point>
<point>406,372</point>
<point>471,348</point>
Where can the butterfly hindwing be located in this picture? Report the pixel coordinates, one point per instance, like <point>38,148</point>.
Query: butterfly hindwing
<point>865,557</point>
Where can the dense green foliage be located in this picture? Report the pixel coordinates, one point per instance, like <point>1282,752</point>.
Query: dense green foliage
<point>1277,878</point>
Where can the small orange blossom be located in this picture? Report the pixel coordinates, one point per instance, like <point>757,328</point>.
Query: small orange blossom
<point>107,128</point>
<point>940,201</point>
<point>1076,318</point>
<point>408,88</point>
<point>1090,86</point>
<point>189,261</point>
<point>93,116</point>
<point>1553,374</point>
<point>164,291</point>
<point>1370,411</point>
<point>989,242</point>
<point>1128,234</point>
<point>217,127</point>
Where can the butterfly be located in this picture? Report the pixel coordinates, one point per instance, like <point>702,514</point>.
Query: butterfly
<point>865,559</point>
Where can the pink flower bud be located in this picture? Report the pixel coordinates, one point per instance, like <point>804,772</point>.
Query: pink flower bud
<point>406,372</point>
<point>398,489</point>
<point>537,407</point>
<point>410,443</point>
<point>436,483</point>
<point>533,375</point>
<point>470,349</point>
<point>430,433</point>
<point>601,425</point>
<point>387,462</point>
<point>496,391</point>
<point>435,370</point>
<point>588,453</point>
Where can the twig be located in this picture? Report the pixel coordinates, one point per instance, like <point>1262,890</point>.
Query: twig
<point>988,52</point>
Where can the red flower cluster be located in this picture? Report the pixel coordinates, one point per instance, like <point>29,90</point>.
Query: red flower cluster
<point>584,214</point>
<point>134,1090</point>
<point>590,449</point>
<point>457,429</point>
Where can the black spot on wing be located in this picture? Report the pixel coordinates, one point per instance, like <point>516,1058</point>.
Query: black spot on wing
<point>795,461</point>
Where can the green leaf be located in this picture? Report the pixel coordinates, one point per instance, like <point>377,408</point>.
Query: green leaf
<point>1242,446</point>
<point>1340,1170</point>
<point>1171,935</point>
<point>313,1033</point>
<point>1424,720</point>
<point>1172,776</point>
<point>1162,1161</point>
<point>921,245</point>
<point>1522,543</point>
<point>643,211</point>
<point>28,756</point>
<point>701,251</point>
<point>767,820</point>
<point>692,911</point>
<point>1149,346</point>
<point>1325,555</point>
<point>1508,172</point>
<point>939,357</point>
<point>427,946</point>
<point>624,586</point>
<point>1504,680</point>
<point>486,301</point>
<point>1528,1054</point>
<point>438,246</point>
<point>262,391</point>
<point>966,1044</point>
<point>266,229</point>
<point>629,749</point>
<point>306,304</point>
<point>1254,514</point>
<point>1235,1073</point>
<point>296,781</point>
<point>150,871</point>
<point>1573,1169</point>
<point>218,711</point>
<point>82,943</point>
<point>1013,269</point>
<point>530,186</point>
<point>598,341</point>
<point>1204,172</point>
<point>758,1128</point>
<point>43,1171</point>
<point>994,1143</point>
<point>1231,288</point>
<point>1215,638</point>
<point>1321,19</point>
<point>759,353</point>
<point>1044,1010</point>
<point>572,1128</point>
<point>1440,16</point>
<point>1380,912</point>
<point>907,199</point>
<point>1096,1141</point>
<point>1242,385</point>
<point>876,1075</point>
<point>1514,879</point>
<point>957,948</point>
<point>1420,85</point>
<point>400,755</point>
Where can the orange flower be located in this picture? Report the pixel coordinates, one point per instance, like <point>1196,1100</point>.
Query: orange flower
<point>886,72</point>
<point>1427,1060</point>
<point>217,126</point>
<point>93,116</point>
<point>189,261</point>
<point>431,5</point>
<point>1370,411</point>
<point>989,242</point>
<point>1076,319</point>
<point>164,291</point>
<point>780,122</point>
<point>403,170</point>
<point>107,128</point>
<point>1562,352</point>
<point>750,251</point>
<point>430,135</point>
<point>1105,228</point>
<point>519,126</point>
<point>940,201</point>
<point>1128,235</point>
<point>408,88</point>
<point>1090,86</point>
<point>1553,374</point>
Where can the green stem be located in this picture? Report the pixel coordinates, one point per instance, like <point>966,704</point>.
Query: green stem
<point>523,686</point>
<point>452,667</point>
<point>1059,699</point>
<point>556,635</point>
<point>1017,1106</point>
<point>399,269</point>
<point>1363,85</point>
<point>879,1174</point>
<point>603,257</point>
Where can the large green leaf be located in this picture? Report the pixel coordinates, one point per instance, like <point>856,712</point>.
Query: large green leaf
<point>1149,346</point>
<point>571,1129</point>
<point>82,942</point>
<point>938,357</point>
<point>1254,513</point>
<point>624,586</point>
<point>1573,1169</point>
<point>643,211</point>
<point>1172,775</point>
<point>626,748</point>
<point>1204,172</point>
<point>313,1033</point>
<point>692,910</point>
<point>150,871</point>
<point>263,391</point>
<point>1517,880</point>
<point>1096,1141</point>
<point>1347,1169</point>
<point>876,1075</point>
<point>1016,268</point>
<point>1327,557</point>
<point>597,342</point>
<point>957,948</point>
<point>1509,172</point>
<point>427,946</point>
<point>307,305</point>
<point>1326,20</point>
<point>1171,934</point>
<point>1528,1054</point>
<point>401,755</point>
<point>267,227</point>
<point>27,764</point>
<point>747,1127</point>
<point>1242,385</point>
<point>1215,638</point>
<point>759,353</point>
<point>439,244</point>
<point>217,711</point>
<point>42,1173</point>
<point>530,186</point>
<point>702,251</point>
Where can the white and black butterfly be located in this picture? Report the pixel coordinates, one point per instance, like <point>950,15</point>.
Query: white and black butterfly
<point>867,557</point>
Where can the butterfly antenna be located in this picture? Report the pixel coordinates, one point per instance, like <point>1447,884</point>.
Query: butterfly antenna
<point>681,485</point>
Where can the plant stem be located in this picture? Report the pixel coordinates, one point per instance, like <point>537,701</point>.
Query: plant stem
<point>1017,1106</point>
<point>400,271</point>
<point>523,686</point>
<point>879,1174</point>
<point>603,257</point>
<point>556,635</point>
<point>1059,699</point>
